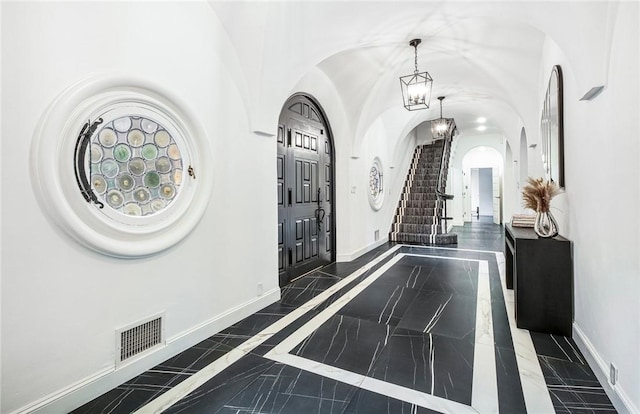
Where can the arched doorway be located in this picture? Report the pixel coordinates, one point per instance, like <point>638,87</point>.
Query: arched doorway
<point>306,225</point>
<point>478,163</point>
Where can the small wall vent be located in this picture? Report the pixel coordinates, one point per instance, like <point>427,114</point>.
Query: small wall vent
<point>139,338</point>
<point>376,235</point>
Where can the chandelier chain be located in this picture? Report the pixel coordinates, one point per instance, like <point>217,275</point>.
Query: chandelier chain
<point>415,48</point>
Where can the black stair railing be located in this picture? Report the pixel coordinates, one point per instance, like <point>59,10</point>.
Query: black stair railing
<point>442,182</point>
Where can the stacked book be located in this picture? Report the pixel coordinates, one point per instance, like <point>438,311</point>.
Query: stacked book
<point>523,220</point>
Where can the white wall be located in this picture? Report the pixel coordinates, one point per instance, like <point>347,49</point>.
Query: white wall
<point>76,299</point>
<point>599,210</point>
<point>62,303</point>
<point>460,170</point>
<point>510,193</point>
<point>393,152</point>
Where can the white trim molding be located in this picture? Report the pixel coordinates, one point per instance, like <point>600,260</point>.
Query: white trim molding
<point>616,393</point>
<point>96,384</point>
<point>357,253</point>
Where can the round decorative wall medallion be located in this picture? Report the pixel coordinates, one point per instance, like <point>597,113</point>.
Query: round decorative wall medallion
<point>114,164</point>
<point>376,188</point>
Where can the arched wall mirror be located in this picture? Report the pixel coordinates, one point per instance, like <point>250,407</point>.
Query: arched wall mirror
<point>551,128</point>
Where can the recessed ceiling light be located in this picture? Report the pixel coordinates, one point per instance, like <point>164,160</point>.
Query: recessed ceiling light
<point>482,128</point>
<point>481,120</point>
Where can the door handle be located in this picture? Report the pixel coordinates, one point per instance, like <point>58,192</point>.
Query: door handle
<point>320,213</point>
<point>289,195</point>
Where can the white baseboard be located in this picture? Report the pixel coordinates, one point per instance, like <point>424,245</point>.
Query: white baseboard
<point>357,253</point>
<point>457,222</point>
<point>85,390</point>
<point>616,393</point>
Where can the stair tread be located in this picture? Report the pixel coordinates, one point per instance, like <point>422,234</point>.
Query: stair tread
<point>416,215</point>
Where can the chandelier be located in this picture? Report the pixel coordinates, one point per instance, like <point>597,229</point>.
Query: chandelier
<point>441,126</point>
<point>416,88</point>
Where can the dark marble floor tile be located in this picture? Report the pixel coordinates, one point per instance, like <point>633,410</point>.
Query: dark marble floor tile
<point>458,277</point>
<point>572,400</point>
<point>565,373</point>
<point>120,400</point>
<point>296,297</point>
<point>413,249</point>
<point>344,342</point>
<point>341,269</point>
<point>428,363</point>
<point>439,252</point>
<point>286,390</point>
<point>501,330</point>
<point>427,263</point>
<point>480,234</point>
<point>441,314</point>
<point>270,343</point>
<point>443,292</point>
<point>315,281</point>
<point>384,304</point>
<point>367,402</point>
<point>194,358</point>
<point>558,347</point>
<point>149,385</point>
<point>408,275</point>
<point>344,269</point>
<point>218,391</point>
<point>510,397</point>
<point>248,327</point>
<point>573,385</point>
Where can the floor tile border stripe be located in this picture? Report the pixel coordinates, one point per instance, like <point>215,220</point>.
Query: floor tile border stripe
<point>190,384</point>
<point>375,385</point>
<point>484,396</point>
<point>308,328</point>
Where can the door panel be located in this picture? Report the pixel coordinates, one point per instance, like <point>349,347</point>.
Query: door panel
<point>304,186</point>
<point>497,196</point>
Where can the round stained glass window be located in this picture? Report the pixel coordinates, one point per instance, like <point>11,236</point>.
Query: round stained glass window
<point>114,165</point>
<point>374,182</point>
<point>376,193</point>
<point>136,165</point>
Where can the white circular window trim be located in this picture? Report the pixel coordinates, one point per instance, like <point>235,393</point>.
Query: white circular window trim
<point>376,201</point>
<point>53,176</point>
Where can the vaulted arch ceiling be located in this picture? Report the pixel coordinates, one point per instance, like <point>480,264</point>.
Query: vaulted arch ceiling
<point>485,57</point>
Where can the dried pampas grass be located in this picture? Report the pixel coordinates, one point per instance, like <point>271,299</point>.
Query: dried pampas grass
<point>537,194</point>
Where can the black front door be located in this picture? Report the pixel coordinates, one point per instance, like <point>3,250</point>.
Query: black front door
<point>305,190</point>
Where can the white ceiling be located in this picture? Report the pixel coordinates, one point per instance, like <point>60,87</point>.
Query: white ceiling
<point>483,56</point>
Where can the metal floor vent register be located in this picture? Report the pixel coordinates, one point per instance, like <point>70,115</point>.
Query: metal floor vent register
<point>140,337</point>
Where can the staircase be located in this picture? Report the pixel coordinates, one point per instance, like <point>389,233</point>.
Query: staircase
<point>420,216</point>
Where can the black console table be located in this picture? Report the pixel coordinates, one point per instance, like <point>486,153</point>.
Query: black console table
<point>540,271</point>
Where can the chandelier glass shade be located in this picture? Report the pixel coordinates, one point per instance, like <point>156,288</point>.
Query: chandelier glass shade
<point>440,127</point>
<point>416,88</point>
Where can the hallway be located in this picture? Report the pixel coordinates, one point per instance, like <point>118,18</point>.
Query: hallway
<point>402,329</point>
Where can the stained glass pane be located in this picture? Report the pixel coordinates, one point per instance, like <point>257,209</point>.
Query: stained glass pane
<point>374,181</point>
<point>136,165</point>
